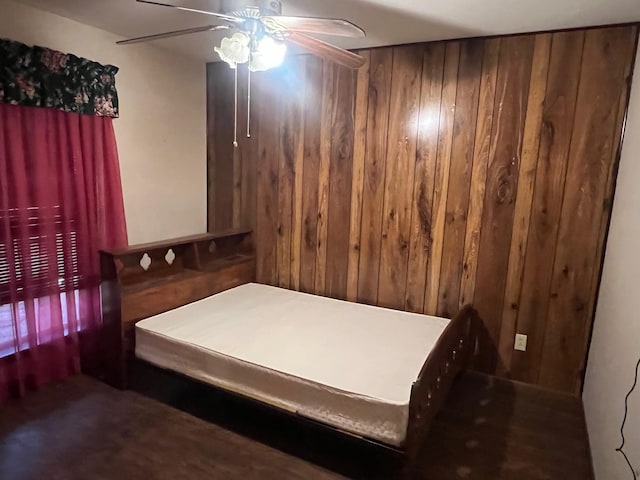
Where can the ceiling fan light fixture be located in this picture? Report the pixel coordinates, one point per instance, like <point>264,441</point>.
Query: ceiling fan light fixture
<point>234,50</point>
<point>269,54</point>
<point>259,40</point>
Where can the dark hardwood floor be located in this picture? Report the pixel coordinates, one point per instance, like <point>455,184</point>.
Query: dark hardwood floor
<point>82,429</point>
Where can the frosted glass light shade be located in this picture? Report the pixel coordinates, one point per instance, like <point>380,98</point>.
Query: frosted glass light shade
<point>269,54</point>
<point>235,49</point>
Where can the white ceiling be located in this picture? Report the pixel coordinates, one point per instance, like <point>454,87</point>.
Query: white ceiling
<point>387,22</point>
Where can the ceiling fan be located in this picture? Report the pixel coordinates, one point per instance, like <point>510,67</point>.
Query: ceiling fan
<point>260,37</point>
<point>261,33</point>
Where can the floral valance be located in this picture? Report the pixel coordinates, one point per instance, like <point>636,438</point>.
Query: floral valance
<point>40,77</point>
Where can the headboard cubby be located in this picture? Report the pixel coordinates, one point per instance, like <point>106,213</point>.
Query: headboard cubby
<point>143,280</point>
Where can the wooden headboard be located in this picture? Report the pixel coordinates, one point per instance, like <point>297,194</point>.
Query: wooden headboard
<point>143,280</point>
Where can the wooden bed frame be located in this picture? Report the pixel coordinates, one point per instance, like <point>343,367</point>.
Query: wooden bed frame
<point>188,269</point>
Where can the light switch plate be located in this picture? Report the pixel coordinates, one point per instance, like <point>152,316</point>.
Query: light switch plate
<point>521,342</point>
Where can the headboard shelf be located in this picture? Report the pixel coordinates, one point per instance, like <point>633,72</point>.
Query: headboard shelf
<point>143,280</point>
<point>234,259</point>
<point>155,281</point>
<point>187,240</point>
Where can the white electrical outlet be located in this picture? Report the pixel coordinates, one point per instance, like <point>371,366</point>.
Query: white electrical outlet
<point>521,342</point>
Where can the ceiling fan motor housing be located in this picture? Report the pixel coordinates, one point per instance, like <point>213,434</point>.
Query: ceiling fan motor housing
<point>251,8</point>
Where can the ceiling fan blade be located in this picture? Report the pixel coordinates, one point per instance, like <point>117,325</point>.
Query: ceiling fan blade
<point>325,26</point>
<point>325,50</point>
<point>175,33</point>
<point>228,18</point>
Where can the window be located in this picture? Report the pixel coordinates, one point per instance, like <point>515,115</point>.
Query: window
<point>41,255</point>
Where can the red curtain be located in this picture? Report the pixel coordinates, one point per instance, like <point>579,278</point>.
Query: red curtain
<point>60,202</point>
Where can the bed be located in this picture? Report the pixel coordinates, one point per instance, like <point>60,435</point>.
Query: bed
<point>375,373</point>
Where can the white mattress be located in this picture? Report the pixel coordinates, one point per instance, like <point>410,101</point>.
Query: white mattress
<point>344,364</point>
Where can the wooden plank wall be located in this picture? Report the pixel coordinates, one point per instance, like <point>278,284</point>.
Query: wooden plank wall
<point>476,171</point>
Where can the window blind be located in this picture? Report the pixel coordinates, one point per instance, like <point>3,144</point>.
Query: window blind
<point>39,256</point>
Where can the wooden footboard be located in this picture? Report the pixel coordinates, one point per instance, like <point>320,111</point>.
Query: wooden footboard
<point>450,355</point>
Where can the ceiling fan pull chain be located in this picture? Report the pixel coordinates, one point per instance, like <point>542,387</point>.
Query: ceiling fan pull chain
<point>249,102</point>
<point>235,108</point>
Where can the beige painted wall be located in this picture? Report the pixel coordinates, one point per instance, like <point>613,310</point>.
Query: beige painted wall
<point>615,347</point>
<point>161,131</point>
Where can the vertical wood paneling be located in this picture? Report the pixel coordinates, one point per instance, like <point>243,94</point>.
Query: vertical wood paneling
<point>439,174</point>
<point>220,114</point>
<point>426,152</point>
<point>524,195</point>
<point>299,93</point>
<point>328,110</point>
<point>374,173</point>
<point>340,178</point>
<point>608,200</point>
<point>248,154</point>
<point>457,203</point>
<point>481,150</point>
<point>557,122</point>
<point>605,59</point>
<point>311,169</point>
<point>267,183</point>
<point>214,76</point>
<point>512,89</point>
<point>401,153</point>
<point>357,182</point>
<point>285,113</point>
<point>290,110</point>
<point>237,155</point>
